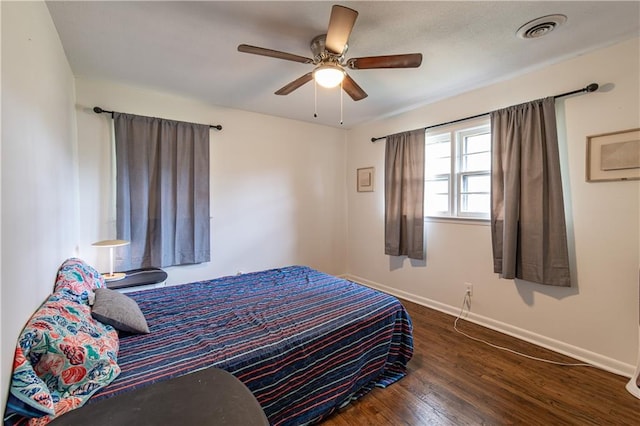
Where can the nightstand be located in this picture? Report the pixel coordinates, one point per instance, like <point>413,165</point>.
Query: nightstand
<point>139,279</point>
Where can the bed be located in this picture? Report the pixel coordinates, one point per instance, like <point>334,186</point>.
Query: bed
<point>305,343</point>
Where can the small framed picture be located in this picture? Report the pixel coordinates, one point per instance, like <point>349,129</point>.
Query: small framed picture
<point>613,156</point>
<point>365,179</point>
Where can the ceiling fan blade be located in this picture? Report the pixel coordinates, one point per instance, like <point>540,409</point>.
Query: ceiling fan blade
<point>245,48</point>
<point>352,89</point>
<point>295,84</point>
<point>340,25</point>
<point>410,60</point>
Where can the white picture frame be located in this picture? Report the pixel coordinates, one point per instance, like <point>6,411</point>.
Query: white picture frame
<point>613,156</point>
<point>364,179</point>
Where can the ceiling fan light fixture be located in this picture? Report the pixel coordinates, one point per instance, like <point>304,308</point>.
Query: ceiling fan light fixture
<point>328,75</point>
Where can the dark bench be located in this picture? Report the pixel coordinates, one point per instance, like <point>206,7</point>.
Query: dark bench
<point>139,278</point>
<point>207,397</point>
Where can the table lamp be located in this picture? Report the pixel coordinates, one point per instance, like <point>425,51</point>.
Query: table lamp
<point>112,276</point>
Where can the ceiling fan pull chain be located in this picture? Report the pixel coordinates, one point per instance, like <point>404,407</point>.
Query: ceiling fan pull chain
<point>315,99</point>
<point>341,101</point>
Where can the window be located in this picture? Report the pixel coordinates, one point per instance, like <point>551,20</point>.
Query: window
<point>458,171</point>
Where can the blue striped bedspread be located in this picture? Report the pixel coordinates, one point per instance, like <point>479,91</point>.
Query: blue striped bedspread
<point>304,342</point>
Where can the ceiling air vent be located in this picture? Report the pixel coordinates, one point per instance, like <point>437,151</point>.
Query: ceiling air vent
<point>541,26</point>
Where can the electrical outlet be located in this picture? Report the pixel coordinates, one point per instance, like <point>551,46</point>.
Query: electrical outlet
<point>469,288</point>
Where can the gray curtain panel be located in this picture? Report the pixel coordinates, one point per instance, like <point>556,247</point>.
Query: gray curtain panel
<point>527,210</point>
<point>162,190</point>
<point>404,195</point>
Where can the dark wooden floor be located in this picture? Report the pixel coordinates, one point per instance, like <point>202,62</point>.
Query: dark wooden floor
<point>453,380</point>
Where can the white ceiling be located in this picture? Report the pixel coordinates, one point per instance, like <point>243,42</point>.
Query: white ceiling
<point>190,48</point>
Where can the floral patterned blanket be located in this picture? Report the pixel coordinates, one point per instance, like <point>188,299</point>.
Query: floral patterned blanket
<point>63,355</point>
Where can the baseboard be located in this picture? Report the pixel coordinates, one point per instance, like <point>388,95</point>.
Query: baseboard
<point>608,364</point>
<point>633,388</point>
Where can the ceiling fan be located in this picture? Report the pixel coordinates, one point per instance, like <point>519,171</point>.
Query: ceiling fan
<point>328,57</point>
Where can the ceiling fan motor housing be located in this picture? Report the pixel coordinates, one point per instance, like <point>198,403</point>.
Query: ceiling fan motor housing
<point>322,55</point>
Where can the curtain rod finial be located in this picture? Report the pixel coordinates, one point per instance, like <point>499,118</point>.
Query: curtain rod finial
<point>98,110</point>
<point>592,87</point>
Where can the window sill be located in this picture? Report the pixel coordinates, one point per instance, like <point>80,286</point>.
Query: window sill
<point>458,220</point>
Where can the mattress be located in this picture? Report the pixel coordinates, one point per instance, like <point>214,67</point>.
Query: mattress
<point>305,343</point>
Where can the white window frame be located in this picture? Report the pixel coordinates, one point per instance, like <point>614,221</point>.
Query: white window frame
<point>448,177</point>
<point>457,132</point>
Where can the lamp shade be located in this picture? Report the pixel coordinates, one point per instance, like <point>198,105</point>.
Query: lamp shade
<point>328,75</point>
<point>110,244</point>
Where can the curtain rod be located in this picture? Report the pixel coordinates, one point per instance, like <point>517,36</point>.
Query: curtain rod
<point>590,88</point>
<point>99,110</point>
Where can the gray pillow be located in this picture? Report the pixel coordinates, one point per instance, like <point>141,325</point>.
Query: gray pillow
<point>119,311</point>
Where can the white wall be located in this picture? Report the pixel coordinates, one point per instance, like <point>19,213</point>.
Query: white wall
<point>597,318</point>
<point>38,162</point>
<point>278,187</point>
